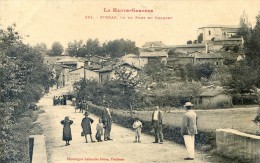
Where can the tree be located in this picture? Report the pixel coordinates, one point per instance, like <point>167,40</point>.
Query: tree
<point>242,79</point>
<point>23,81</point>
<point>200,38</point>
<point>42,48</point>
<point>93,47</point>
<point>199,71</point>
<point>252,48</point>
<point>156,71</point>
<point>189,42</point>
<point>119,47</point>
<point>56,49</point>
<point>76,48</point>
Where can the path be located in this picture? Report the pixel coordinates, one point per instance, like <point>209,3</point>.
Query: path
<point>121,149</point>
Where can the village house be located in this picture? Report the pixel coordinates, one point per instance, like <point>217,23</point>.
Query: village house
<point>95,59</point>
<point>188,48</point>
<point>108,72</point>
<point>196,58</point>
<point>78,74</point>
<point>218,31</point>
<point>214,97</point>
<point>73,63</point>
<point>153,56</point>
<point>153,45</point>
<point>135,60</point>
<point>213,58</point>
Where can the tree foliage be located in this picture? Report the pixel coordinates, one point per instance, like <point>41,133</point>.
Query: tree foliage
<point>23,80</point>
<point>56,49</point>
<point>118,92</point>
<point>200,38</point>
<point>115,48</point>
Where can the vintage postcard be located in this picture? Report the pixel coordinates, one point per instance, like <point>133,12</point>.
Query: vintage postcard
<point>130,80</point>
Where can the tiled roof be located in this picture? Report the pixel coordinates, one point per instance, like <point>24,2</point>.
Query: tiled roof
<point>207,55</point>
<point>187,46</point>
<point>228,39</point>
<point>154,54</point>
<point>130,56</point>
<point>220,26</point>
<point>153,44</point>
<point>118,64</point>
<point>67,59</point>
<point>211,92</point>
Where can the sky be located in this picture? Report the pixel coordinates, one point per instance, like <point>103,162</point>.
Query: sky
<point>65,20</point>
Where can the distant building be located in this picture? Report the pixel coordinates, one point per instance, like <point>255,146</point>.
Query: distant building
<point>154,56</point>
<point>188,48</point>
<point>196,58</point>
<point>153,45</point>
<point>78,74</point>
<point>214,97</point>
<point>95,59</point>
<point>218,31</point>
<point>109,72</point>
<point>73,63</point>
<point>213,58</point>
<point>135,60</point>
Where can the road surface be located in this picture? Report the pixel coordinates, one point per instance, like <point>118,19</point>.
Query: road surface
<point>121,149</point>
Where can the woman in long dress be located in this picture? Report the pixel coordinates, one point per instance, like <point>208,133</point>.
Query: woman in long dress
<point>66,130</point>
<point>86,126</point>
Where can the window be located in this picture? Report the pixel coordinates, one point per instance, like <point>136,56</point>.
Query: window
<point>209,32</point>
<point>216,63</point>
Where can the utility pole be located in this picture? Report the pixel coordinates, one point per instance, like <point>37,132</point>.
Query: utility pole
<point>85,71</point>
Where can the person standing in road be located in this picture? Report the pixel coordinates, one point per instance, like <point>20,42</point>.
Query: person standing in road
<point>66,130</point>
<point>99,128</point>
<point>189,129</point>
<point>86,126</point>
<point>137,126</point>
<point>157,122</point>
<point>107,121</point>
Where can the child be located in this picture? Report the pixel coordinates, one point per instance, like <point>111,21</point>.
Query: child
<point>138,128</point>
<point>99,130</point>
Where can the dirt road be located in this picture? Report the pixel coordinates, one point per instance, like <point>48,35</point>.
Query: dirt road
<point>121,149</point>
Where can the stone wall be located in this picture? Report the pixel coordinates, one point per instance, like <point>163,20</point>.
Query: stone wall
<point>237,145</point>
<point>37,149</point>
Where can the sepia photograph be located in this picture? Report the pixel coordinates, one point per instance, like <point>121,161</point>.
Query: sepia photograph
<point>133,81</point>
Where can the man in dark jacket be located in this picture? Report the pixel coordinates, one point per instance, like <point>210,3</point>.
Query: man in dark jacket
<point>107,121</point>
<point>157,122</point>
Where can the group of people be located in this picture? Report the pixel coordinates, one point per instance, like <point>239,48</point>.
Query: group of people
<point>188,128</point>
<point>59,100</point>
<point>80,104</point>
<point>102,128</point>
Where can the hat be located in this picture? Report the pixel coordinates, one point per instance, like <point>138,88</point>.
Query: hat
<point>66,118</point>
<point>86,113</point>
<point>188,104</point>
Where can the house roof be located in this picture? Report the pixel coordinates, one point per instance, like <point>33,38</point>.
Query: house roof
<point>219,26</point>
<point>207,55</point>
<point>130,56</point>
<point>154,54</point>
<point>228,39</point>
<point>118,64</point>
<point>153,44</point>
<point>67,60</point>
<point>202,45</point>
<point>212,91</point>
